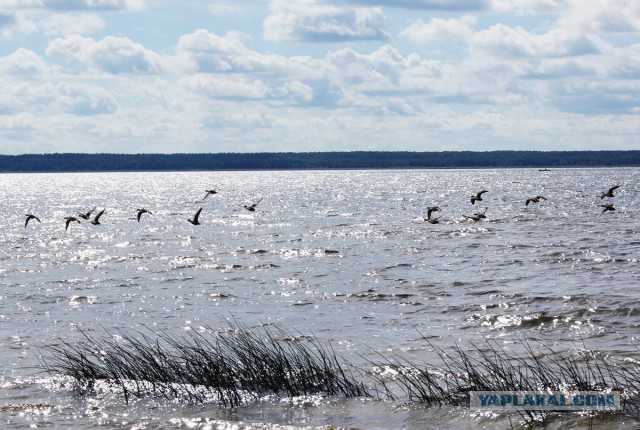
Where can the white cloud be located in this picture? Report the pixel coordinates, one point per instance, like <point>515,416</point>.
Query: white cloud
<point>615,16</point>
<point>94,4</point>
<point>226,87</point>
<point>221,8</point>
<point>503,41</point>
<point>20,4</point>
<point>14,25</point>
<point>203,51</point>
<point>121,55</point>
<point>440,30</point>
<point>86,99</point>
<point>23,62</point>
<point>521,74</point>
<point>316,21</point>
<point>295,91</point>
<point>64,24</point>
<point>524,7</point>
<point>378,71</point>
<point>111,54</point>
<point>437,5</point>
<point>212,53</point>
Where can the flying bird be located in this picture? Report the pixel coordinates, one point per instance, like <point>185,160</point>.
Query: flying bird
<point>69,220</point>
<point>252,207</point>
<point>195,220</point>
<point>607,208</point>
<point>610,192</point>
<point>477,216</point>
<point>86,215</point>
<point>209,192</point>
<point>534,199</point>
<point>430,210</point>
<point>477,197</point>
<point>96,219</point>
<point>29,218</point>
<point>143,211</point>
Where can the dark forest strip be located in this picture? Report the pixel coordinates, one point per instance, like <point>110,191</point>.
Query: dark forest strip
<point>81,162</point>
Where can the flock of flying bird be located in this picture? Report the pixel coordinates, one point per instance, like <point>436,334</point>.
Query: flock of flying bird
<point>96,219</point>
<point>252,207</point>
<point>533,199</point>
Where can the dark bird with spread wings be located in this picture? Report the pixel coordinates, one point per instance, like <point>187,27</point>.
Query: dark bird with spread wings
<point>534,199</point>
<point>609,193</point>
<point>252,207</point>
<point>69,220</point>
<point>478,197</point>
<point>96,219</point>
<point>143,211</point>
<point>195,220</point>
<point>29,218</point>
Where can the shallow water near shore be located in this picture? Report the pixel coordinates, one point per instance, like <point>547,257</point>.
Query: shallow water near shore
<point>343,256</point>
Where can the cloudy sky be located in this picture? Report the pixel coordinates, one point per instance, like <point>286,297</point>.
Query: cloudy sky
<point>167,76</point>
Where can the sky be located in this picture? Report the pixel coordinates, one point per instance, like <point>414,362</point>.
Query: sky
<point>199,76</point>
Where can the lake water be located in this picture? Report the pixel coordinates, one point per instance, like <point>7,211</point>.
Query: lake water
<point>345,256</point>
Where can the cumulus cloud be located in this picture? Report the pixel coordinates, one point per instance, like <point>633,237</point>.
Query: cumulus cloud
<point>491,69</point>
<point>64,24</point>
<point>86,99</point>
<point>203,51</point>
<point>111,54</point>
<point>23,62</point>
<point>295,91</point>
<point>316,21</point>
<point>12,25</point>
<point>379,70</point>
<point>226,87</point>
<point>615,16</point>
<point>210,52</point>
<point>442,5</point>
<point>440,30</point>
<point>504,41</point>
<point>105,5</point>
<point>524,7</point>
<point>19,4</point>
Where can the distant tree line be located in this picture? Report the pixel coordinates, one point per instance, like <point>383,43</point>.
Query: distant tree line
<point>80,162</point>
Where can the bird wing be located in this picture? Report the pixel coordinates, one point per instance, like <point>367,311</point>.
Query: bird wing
<point>195,217</point>
<point>99,215</point>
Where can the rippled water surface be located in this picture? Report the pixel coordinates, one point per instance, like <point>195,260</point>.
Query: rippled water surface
<point>343,255</point>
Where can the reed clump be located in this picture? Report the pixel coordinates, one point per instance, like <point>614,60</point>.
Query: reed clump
<point>230,367</point>
<point>239,365</point>
<point>489,366</point>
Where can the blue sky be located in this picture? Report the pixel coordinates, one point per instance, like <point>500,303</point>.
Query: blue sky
<point>130,76</point>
